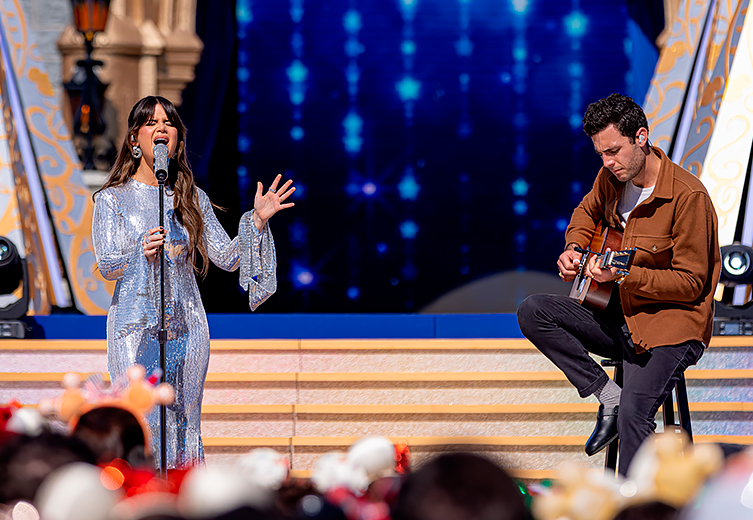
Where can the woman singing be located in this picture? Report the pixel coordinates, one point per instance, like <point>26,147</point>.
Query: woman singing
<point>128,244</point>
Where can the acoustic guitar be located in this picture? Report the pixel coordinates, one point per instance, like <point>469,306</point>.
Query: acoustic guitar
<point>585,289</point>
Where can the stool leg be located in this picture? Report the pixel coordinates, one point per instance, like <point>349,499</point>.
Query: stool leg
<point>683,409</point>
<point>610,461</point>
<point>668,411</point>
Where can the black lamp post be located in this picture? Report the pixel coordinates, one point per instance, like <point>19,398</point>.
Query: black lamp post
<point>86,93</point>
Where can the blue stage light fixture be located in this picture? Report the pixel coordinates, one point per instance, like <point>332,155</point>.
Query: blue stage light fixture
<point>737,265</point>
<point>13,273</point>
<point>730,318</point>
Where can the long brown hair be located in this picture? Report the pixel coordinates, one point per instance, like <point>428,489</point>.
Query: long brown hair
<point>179,176</point>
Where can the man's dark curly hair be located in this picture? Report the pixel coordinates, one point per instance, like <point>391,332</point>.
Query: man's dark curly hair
<point>618,110</point>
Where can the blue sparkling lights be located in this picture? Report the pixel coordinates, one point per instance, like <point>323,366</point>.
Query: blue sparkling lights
<point>297,72</point>
<point>464,49</point>
<point>409,89</point>
<point>353,122</point>
<point>243,19</point>
<point>520,207</point>
<point>520,187</point>
<point>352,126</point>
<point>408,47</point>
<point>408,229</point>
<point>464,46</point>
<point>520,6</point>
<point>301,276</point>
<point>296,10</point>
<point>352,97</point>
<point>352,21</point>
<point>298,233</point>
<point>576,23</point>
<point>297,133</point>
<point>369,188</point>
<point>244,143</point>
<point>408,187</point>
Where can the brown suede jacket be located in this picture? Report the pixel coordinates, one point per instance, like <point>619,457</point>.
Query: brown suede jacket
<point>668,297</point>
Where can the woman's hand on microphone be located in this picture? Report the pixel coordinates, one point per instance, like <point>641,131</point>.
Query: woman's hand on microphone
<point>152,243</point>
<point>267,204</point>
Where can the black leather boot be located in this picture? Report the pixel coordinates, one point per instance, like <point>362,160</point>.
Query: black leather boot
<point>604,432</point>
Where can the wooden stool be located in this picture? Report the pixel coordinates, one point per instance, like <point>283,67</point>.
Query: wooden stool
<point>668,412</point>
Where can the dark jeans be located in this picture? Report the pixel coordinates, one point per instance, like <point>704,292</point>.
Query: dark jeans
<point>565,331</point>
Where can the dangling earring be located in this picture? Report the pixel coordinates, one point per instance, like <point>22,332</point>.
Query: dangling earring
<point>136,152</point>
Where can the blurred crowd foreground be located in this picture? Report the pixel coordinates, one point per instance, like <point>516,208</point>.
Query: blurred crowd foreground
<point>87,456</point>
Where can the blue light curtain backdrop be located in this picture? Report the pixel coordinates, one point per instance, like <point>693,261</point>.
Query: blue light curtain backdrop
<point>433,142</point>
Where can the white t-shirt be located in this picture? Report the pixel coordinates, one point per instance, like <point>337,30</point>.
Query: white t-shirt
<point>632,195</point>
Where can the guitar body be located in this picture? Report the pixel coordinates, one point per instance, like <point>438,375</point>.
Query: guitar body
<point>587,291</point>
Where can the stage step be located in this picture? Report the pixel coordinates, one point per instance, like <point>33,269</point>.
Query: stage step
<point>500,397</point>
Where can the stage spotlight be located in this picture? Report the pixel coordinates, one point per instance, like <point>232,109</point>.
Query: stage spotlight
<point>12,274</point>
<point>737,265</point>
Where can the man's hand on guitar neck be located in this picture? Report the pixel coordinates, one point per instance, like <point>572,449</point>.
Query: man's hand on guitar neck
<point>600,275</point>
<point>569,265</point>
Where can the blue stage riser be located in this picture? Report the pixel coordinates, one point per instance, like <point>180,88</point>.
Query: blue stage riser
<point>308,326</point>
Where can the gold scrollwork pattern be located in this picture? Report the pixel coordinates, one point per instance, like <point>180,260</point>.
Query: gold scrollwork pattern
<point>10,220</point>
<point>34,250</point>
<point>669,84</point>
<point>68,197</point>
<point>726,162</point>
<point>730,17</point>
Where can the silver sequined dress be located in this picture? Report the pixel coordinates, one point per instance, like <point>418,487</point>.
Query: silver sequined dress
<point>122,217</point>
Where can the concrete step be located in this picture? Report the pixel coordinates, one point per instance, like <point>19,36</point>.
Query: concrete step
<point>507,355</point>
<point>501,398</point>
<point>473,420</point>
<point>725,385</point>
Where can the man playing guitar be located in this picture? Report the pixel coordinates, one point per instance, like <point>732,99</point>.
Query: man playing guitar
<point>660,314</point>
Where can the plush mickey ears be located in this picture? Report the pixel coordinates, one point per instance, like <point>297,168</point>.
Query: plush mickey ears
<point>132,391</point>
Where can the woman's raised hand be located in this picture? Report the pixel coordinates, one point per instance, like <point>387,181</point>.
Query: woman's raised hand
<point>267,204</point>
<point>153,240</point>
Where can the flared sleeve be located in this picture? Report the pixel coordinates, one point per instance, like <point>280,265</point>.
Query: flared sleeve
<point>252,251</point>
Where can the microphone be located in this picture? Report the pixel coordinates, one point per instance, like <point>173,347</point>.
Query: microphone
<point>161,161</point>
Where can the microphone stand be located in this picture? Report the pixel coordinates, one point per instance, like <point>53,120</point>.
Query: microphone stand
<point>161,175</point>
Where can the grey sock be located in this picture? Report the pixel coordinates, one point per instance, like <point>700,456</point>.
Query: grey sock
<point>609,394</point>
